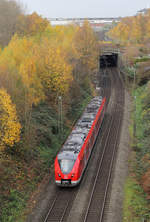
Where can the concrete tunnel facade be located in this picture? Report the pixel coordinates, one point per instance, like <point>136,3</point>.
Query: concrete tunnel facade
<point>108,60</point>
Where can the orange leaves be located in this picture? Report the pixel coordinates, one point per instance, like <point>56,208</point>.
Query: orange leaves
<point>9,124</point>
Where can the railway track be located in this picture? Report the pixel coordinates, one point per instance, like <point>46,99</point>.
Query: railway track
<point>60,205</point>
<point>63,199</point>
<point>97,202</point>
<point>104,154</point>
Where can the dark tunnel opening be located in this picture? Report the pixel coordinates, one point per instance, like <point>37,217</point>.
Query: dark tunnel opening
<point>109,60</point>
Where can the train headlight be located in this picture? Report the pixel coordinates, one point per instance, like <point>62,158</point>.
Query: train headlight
<point>72,175</point>
<point>59,175</point>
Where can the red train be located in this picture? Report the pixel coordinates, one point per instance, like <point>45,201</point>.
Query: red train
<point>72,159</point>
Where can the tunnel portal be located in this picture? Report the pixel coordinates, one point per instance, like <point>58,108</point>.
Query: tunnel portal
<point>108,60</point>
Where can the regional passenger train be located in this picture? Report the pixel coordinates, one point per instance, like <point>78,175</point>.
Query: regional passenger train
<point>72,159</point>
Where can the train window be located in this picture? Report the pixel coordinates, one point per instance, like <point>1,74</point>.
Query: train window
<point>66,165</point>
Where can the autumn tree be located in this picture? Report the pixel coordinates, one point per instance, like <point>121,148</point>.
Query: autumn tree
<point>85,44</point>
<point>18,73</point>
<point>121,32</point>
<point>131,30</point>
<point>42,62</point>
<point>31,24</point>
<point>136,33</point>
<point>9,12</point>
<point>147,25</point>
<point>53,70</point>
<point>86,54</point>
<point>9,124</point>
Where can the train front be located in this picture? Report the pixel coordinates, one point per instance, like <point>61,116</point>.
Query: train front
<point>66,169</point>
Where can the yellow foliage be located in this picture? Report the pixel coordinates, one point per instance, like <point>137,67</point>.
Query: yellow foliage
<point>39,60</point>
<point>16,52</point>
<point>136,33</point>
<point>20,55</point>
<point>120,32</point>
<point>40,63</point>
<point>33,85</point>
<point>31,24</point>
<point>42,66</point>
<point>9,124</point>
<point>54,71</point>
<point>147,24</point>
<point>132,29</point>
<point>86,46</point>
<point>62,37</point>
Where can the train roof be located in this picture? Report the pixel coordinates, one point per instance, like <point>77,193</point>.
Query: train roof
<point>75,140</point>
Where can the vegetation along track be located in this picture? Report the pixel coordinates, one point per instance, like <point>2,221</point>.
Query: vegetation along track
<point>104,157</point>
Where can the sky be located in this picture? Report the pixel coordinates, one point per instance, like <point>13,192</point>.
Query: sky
<point>84,8</point>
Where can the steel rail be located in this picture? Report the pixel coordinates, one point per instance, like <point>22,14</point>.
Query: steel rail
<point>45,220</point>
<point>99,168</point>
<point>109,176</point>
<point>110,167</point>
<point>51,216</point>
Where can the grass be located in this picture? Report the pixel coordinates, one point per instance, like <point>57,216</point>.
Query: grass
<point>135,203</point>
<point>14,206</point>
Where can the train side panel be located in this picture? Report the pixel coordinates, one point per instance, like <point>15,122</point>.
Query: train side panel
<point>91,138</point>
<point>81,162</point>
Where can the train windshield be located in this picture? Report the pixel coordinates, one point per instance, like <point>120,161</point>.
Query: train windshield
<point>66,165</point>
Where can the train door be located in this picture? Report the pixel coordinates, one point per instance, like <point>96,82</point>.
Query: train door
<point>94,134</point>
<point>87,150</point>
<point>81,167</point>
<point>85,160</point>
<point>92,140</point>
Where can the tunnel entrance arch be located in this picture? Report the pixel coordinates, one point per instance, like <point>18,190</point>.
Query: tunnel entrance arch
<point>109,59</point>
